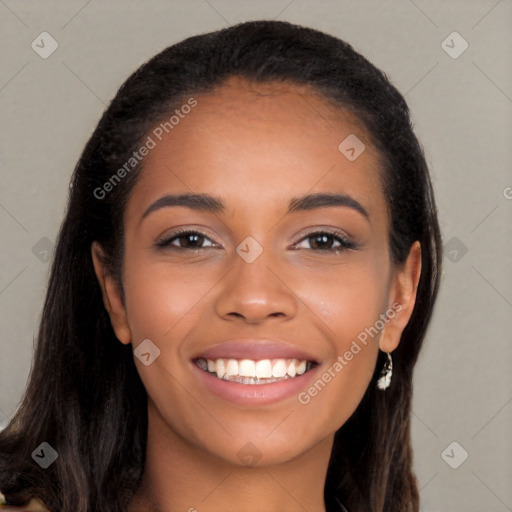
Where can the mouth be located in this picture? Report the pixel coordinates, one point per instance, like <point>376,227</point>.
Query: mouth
<point>254,371</point>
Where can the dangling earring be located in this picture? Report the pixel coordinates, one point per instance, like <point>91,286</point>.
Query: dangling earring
<point>385,374</point>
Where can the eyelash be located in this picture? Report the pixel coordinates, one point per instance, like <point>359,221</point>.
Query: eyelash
<point>338,236</point>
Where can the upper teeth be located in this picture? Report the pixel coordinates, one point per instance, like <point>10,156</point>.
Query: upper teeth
<point>260,369</point>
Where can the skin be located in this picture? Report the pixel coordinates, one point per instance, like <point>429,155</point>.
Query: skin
<point>255,147</point>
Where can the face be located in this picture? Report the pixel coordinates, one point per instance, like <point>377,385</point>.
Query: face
<point>267,274</point>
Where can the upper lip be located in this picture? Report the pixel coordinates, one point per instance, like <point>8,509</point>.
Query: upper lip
<point>255,349</point>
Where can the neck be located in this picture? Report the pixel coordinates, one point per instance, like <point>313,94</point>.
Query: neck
<point>179,476</point>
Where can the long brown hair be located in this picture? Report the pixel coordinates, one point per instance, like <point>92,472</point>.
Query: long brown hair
<point>84,396</point>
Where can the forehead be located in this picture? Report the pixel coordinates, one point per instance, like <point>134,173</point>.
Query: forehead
<point>248,141</point>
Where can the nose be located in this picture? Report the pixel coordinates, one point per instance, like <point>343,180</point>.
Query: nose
<point>256,291</point>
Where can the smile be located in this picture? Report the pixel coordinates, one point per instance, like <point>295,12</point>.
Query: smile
<point>254,372</point>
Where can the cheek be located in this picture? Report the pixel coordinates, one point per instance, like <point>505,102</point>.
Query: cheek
<point>164,303</point>
<point>348,301</point>
<point>160,296</point>
<point>346,298</point>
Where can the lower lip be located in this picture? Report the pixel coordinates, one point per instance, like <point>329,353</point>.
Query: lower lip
<point>255,394</point>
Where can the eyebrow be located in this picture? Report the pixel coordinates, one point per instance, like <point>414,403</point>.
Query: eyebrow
<point>209,203</point>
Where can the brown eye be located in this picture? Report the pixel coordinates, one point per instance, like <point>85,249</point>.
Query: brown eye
<point>191,240</point>
<point>326,241</point>
<point>321,241</point>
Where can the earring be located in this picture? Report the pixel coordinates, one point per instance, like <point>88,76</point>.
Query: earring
<point>385,374</point>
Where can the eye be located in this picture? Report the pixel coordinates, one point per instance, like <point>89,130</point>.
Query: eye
<point>327,241</point>
<point>186,240</point>
<point>322,241</point>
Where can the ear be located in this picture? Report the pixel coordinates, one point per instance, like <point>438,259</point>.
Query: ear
<point>402,297</point>
<point>112,298</point>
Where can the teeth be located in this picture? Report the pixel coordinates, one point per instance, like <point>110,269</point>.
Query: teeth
<point>301,367</point>
<point>279,368</point>
<point>232,367</point>
<point>220,370</point>
<point>264,369</point>
<point>246,368</point>
<point>292,368</point>
<point>247,371</point>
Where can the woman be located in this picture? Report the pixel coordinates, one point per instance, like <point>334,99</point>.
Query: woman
<point>240,290</point>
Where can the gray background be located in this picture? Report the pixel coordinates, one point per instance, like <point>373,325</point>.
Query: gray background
<point>462,111</point>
